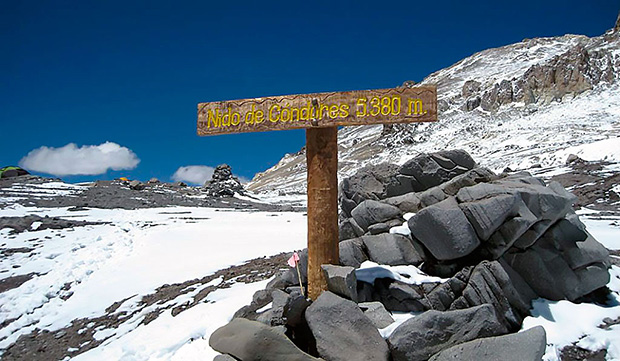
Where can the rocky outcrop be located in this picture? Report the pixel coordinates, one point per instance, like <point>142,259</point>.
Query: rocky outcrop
<point>223,183</point>
<point>387,180</point>
<point>569,74</point>
<point>499,241</point>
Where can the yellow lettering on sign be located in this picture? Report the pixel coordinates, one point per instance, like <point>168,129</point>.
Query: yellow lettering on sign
<point>333,111</point>
<point>320,112</point>
<point>285,115</point>
<point>344,110</point>
<point>260,117</point>
<point>414,107</point>
<point>250,116</point>
<point>308,112</point>
<point>213,118</point>
<point>274,117</point>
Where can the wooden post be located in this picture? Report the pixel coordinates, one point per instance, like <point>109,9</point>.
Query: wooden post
<point>322,164</point>
<point>320,114</point>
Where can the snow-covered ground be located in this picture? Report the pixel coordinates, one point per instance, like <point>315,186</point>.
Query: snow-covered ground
<point>137,252</point>
<point>141,250</point>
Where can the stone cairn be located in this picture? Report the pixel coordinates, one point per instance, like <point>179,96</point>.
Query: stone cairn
<point>223,183</point>
<point>499,240</point>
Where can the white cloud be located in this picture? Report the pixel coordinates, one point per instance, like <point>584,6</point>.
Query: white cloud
<point>195,174</point>
<point>85,160</point>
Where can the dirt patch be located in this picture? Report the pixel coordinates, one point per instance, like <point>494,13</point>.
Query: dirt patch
<point>22,224</point>
<point>15,281</point>
<point>592,185</point>
<point>575,353</point>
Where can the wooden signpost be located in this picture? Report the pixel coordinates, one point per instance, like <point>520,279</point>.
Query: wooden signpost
<point>320,114</point>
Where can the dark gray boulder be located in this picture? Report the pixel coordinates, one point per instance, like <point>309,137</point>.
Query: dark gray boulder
<point>419,338</point>
<point>352,252</point>
<point>379,228</point>
<point>457,156</point>
<point>564,263</point>
<point>341,280</point>
<point>486,215</point>
<point>391,249</point>
<point>370,212</point>
<point>467,179</point>
<point>400,296</point>
<point>343,332</point>
<point>430,170</point>
<point>376,312</point>
<point>368,183</point>
<point>253,341</point>
<point>444,230</point>
<point>527,345</point>
<point>431,196</point>
<point>407,203</point>
<point>348,229</point>
<point>275,315</point>
<point>425,170</point>
<point>224,358</point>
<point>490,284</point>
<point>136,185</point>
<point>400,184</point>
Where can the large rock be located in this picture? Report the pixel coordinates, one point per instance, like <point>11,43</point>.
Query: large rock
<point>399,296</point>
<point>343,332</point>
<point>409,202</point>
<point>348,229</point>
<point>253,341</point>
<point>391,249</point>
<point>490,284</point>
<point>430,170</point>
<point>467,179</point>
<point>370,212</point>
<point>376,312</point>
<point>419,338</point>
<point>223,183</point>
<point>565,263</point>
<point>528,345</point>
<point>368,183</point>
<point>341,280</point>
<point>352,252</point>
<point>275,315</point>
<point>486,215</point>
<point>444,230</point>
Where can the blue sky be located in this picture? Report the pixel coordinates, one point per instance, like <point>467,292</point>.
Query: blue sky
<point>132,72</point>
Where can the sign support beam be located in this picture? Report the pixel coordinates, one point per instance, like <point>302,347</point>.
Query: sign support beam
<point>322,164</point>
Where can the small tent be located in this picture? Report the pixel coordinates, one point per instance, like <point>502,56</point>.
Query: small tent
<point>8,172</point>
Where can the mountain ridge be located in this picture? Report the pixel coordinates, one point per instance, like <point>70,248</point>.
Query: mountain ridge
<point>521,105</point>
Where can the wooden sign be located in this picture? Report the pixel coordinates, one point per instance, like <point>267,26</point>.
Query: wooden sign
<point>319,110</point>
<point>320,114</point>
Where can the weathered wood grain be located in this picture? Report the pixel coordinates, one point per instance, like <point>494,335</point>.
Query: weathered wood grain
<point>319,110</point>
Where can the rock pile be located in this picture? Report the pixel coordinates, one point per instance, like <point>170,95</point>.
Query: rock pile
<point>223,183</point>
<point>496,241</point>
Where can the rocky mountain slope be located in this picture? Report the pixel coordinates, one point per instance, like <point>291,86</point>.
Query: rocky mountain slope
<point>520,106</point>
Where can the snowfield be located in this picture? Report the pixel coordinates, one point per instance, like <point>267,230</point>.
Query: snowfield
<point>140,250</point>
